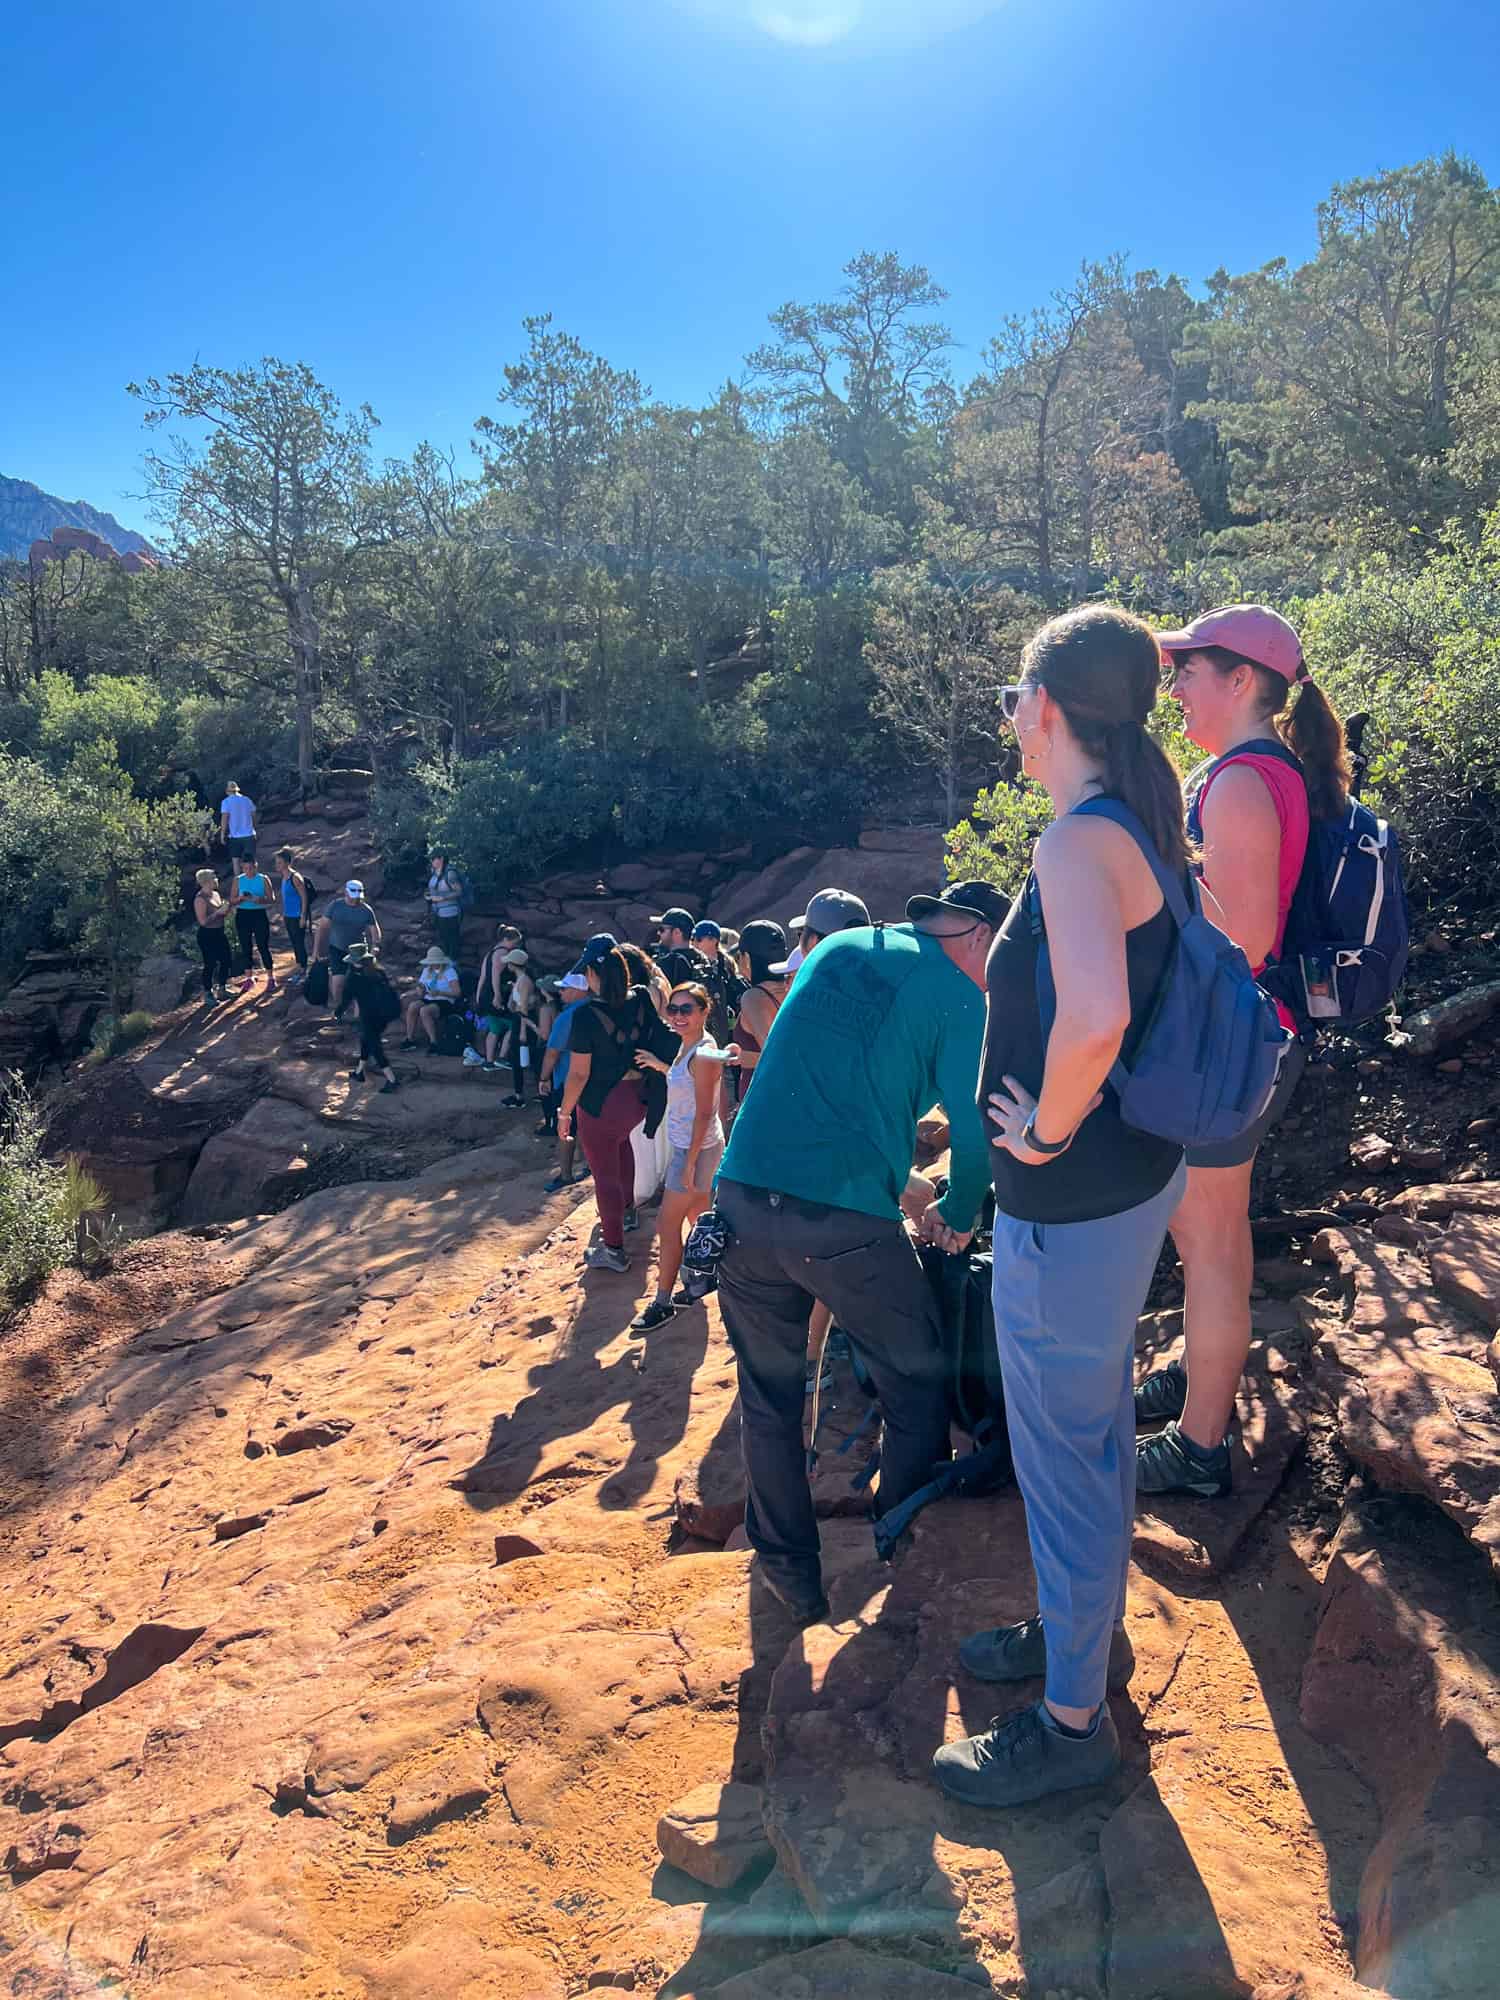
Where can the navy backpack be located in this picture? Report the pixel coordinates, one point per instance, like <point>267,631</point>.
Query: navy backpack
<point>1348,931</point>
<point>1210,1051</point>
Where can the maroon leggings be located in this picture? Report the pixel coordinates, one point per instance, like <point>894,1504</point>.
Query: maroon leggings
<point>606,1147</point>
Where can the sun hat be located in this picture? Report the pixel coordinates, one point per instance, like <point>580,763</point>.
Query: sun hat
<point>354,888</point>
<point>516,957</point>
<point>1254,631</point>
<point>434,955</point>
<point>359,951</point>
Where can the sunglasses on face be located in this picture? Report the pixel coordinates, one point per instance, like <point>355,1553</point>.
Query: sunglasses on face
<point>686,1007</point>
<point>1010,701</point>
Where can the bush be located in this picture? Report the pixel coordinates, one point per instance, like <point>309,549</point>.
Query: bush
<point>248,741</point>
<point>43,1205</point>
<point>122,711</point>
<point>1420,653</point>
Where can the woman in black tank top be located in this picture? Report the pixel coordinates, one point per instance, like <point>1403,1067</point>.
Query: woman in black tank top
<point>1082,1199</point>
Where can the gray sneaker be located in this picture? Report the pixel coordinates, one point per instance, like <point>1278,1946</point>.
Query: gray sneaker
<point>1025,1757</point>
<point>1163,1395</point>
<point>1019,1653</point>
<point>602,1258</point>
<point>1166,1464</point>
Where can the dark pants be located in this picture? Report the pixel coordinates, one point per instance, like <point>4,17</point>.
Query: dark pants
<point>783,1255</point>
<point>611,1157</point>
<point>450,935</point>
<point>296,930</point>
<point>218,966</point>
<point>254,928</point>
<point>371,1052</point>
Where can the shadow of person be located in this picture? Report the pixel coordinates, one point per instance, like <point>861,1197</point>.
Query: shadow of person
<point>574,1388</point>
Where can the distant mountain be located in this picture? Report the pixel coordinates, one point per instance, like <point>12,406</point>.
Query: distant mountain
<point>28,515</point>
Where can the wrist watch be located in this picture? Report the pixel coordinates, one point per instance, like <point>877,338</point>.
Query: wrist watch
<point>1029,1138</point>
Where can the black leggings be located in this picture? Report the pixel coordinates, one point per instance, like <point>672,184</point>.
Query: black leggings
<point>371,1054</point>
<point>254,927</point>
<point>296,930</point>
<point>218,966</point>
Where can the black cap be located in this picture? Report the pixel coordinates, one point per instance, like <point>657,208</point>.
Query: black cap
<point>970,899</point>
<point>677,920</point>
<point>765,942</point>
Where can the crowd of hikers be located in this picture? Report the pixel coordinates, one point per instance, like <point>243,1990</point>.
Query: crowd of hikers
<point>1110,1047</point>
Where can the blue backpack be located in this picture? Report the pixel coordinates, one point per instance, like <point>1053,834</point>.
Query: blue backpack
<point>1348,931</point>
<point>1207,1059</point>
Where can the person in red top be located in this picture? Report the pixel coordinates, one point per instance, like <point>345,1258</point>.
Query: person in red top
<point>1250,805</point>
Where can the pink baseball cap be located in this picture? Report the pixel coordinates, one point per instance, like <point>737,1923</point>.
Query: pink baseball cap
<point>1252,630</point>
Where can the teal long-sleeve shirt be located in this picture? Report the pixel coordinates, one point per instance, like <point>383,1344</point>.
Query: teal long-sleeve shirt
<point>878,1027</point>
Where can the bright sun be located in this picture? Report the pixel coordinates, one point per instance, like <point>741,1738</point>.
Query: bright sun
<point>822,24</point>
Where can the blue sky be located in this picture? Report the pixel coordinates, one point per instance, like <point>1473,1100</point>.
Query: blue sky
<point>384,190</point>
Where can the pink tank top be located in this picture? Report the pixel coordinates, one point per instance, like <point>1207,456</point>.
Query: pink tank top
<point>1289,796</point>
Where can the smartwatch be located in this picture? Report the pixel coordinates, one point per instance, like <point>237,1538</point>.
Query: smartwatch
<point>1029,1138</point>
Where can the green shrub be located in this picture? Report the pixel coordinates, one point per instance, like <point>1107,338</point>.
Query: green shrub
<point>404,815</point>
<point>253,742</point>
<point>122,711</point>
<point>43,1204</point>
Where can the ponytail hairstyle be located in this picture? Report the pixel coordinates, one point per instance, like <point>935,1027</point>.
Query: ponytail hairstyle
<point>1313,731</point>
<point>613,974</point>
<point>1103,669</point>
<point>639,963</point>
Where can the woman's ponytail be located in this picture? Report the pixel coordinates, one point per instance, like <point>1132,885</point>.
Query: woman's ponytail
<point>1314,734</point>
<point>1138,772</point>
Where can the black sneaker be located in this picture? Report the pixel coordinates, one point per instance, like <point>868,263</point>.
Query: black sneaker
<point>1163,1395</point>
<point>656,1314</point>
<point>512,1103</point>
<point>391,1083</point>
<point>632,1218</point>
<point>358,1075</point>
<point>1025,1757</point>
<point>1019,1653</point>
<point>408,1043</point>
<point>1170,1463</point>
<point>684,1298</point>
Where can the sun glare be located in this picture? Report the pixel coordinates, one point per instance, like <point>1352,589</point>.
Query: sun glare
<point>823,24</point>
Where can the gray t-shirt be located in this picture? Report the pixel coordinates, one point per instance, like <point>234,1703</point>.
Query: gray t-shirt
<point>347,922</point>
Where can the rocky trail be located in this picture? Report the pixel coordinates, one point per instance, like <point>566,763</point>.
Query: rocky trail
<point>376,1625</point>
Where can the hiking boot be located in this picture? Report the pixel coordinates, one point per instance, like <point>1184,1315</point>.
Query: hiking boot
<point>656,1314</point>
<point>1163,1395</point>
<point>1026,1756</point>
<point>1172,1463</point>
<point>632,1218</point>
<point>804,1608</point>
<point>603,1258</point>
<point>1019,1653</point>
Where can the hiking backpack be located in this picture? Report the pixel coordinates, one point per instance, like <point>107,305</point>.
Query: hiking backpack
<point>976,1396</point>
<point>1348,931</point>
<point>1210,1051</point>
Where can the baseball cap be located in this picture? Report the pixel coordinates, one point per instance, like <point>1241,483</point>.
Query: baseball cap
<point>765,941</point>
<point>970,899</point>
<point>834,910</point>
<point>572,982</point>
<point>1253,630</point>
<point>353,888</point>
<point>680,920</point>
<point>706,928</point>
<point>598,948</point>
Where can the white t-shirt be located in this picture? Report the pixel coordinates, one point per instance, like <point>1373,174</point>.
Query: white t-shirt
<point>682,1101</point>
<point>240,812</point>
<point>439,982</point>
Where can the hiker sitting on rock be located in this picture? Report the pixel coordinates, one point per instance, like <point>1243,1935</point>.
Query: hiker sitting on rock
<point>347,920</point>
<point>879,1026</point>
<point>374,996</point>
<point>438,992</point>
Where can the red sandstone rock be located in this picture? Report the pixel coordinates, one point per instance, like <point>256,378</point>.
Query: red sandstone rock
<point>715,1833</point>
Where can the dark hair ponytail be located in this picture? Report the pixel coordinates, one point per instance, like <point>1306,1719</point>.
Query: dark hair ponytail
<point>1103,669</point>
<point>613,972</point>
<point>1313,731</point>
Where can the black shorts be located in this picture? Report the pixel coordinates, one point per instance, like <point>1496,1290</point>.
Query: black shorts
<point>240,844</point>
<point>1235,1152</point>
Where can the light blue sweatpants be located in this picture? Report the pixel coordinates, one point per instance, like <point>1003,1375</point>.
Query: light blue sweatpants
<point>1067,1298</point>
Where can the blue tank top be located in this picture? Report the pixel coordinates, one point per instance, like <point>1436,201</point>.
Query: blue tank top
<point>291,902</point>
<point>255,891</point>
